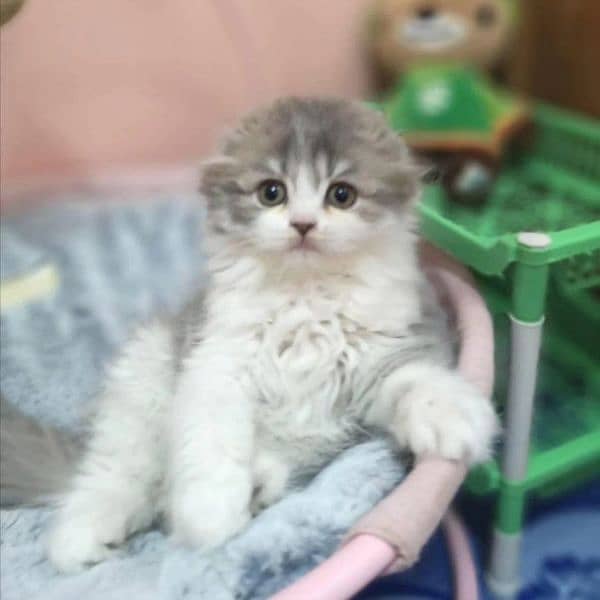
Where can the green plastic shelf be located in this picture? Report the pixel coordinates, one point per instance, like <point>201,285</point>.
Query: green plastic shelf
<point>552,188</point>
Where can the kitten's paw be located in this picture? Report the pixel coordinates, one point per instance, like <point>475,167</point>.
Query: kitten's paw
<point>76,544</point>
<point>447,417</point>
<point>206,515</point>
<point>87,531</point>
<point>271,475</point>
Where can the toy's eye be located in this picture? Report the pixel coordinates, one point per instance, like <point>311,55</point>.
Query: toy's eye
<point>341,195</point>
<point>426,12</point>
<point>271,192</point>
<point>486,15</point>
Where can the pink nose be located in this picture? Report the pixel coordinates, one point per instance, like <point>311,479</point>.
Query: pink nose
<point>303,227</point>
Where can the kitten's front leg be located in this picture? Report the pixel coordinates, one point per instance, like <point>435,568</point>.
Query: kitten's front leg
<point>212,448</point>
<point>117,489</point>
<point>433,410</point>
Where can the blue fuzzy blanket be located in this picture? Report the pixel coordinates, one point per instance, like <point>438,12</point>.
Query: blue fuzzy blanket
<point>120,264</point>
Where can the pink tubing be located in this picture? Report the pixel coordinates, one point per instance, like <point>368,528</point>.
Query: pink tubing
<point>366,556</point>
<point>345,573</point>
<point>463,565</point>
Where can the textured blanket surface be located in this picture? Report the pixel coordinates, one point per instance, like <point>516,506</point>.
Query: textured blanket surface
<point>120,264</point>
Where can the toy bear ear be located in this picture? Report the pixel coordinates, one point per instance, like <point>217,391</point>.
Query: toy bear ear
<point>513,9</point>
<point>374,21</point>
<point>8,9</point>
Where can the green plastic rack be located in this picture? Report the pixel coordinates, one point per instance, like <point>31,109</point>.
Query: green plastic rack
<point>535,249</point>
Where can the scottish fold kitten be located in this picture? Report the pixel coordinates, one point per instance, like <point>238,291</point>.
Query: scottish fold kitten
<point>316,325</point>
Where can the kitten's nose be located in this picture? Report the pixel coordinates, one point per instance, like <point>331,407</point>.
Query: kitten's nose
<point>303,227</point>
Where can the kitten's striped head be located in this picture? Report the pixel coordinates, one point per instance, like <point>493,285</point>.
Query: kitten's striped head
<point>310,177</point>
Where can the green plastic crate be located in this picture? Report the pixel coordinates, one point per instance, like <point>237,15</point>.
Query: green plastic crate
<point>553,188</point>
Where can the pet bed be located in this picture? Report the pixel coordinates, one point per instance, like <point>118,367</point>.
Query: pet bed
<point>119,264</point>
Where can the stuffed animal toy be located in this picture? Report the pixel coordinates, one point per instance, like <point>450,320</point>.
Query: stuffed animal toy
<point>437,53</point>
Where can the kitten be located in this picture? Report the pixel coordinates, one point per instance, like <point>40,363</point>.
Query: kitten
<point>316,326</point>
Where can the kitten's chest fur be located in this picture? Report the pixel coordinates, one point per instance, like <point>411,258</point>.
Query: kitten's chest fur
<point>314,368</point>
<point>314,350</point>
<point>308,351</point>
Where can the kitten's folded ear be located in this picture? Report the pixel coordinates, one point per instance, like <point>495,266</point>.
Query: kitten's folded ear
<point>407,182</point>
<point>222,175</point>
<point>216,166</point>
<point>218,174</point>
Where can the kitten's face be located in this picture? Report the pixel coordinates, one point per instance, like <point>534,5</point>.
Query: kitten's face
<point>309,179</point>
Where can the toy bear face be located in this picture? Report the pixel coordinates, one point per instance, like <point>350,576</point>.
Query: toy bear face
<point>409,31</point>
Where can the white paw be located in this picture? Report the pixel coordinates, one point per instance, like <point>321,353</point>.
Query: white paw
<point>271,475</point>
<point>88,529</point>
<point>447,416</point>
<point>76,544</point>
<point>206,515</point>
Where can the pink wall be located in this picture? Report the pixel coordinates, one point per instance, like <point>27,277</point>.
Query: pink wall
<point>96,85</point>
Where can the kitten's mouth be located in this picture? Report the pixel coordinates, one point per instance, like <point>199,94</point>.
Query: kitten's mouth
<point>304,245</point>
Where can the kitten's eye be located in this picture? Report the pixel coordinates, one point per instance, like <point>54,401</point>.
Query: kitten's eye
<point>486,15</point>
<point>271,192</point>
<point>341,195</point>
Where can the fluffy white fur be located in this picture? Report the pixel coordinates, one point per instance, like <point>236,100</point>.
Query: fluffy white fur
<point>288,364</point>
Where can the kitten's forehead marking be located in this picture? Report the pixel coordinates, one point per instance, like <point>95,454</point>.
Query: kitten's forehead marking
<point>275,165</point>
<point>304,184</point>
<point>343,167</point>
<point>321,167</point>
<point>307,197</point>
<point>326,168</point>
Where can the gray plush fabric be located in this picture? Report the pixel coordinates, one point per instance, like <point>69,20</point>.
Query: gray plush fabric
<point>119,264</point>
